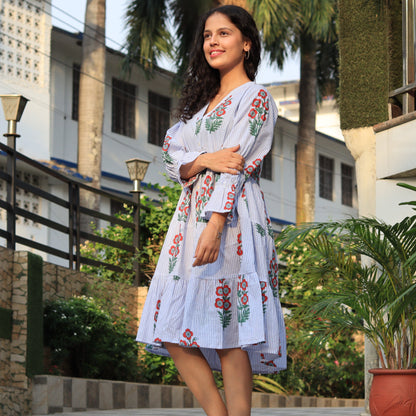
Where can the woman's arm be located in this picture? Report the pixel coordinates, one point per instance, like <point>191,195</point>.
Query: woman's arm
<point>210,240</point>
<point>222,161</point>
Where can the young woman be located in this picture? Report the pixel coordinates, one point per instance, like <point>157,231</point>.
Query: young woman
<point>213,303</point>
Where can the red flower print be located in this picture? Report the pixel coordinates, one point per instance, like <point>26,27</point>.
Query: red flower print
<point>156,316</point>
<point>244,299</point>
<point>157,340</point>
<point>256,102</point>
<point>227,305</point>
<point>208,180</point>
<point>263,285</point>
<point>221,112</point>
<point>194,344</point>
<point>266,105</point>
<point>158,304</point>
<point>252,113</point>
<point>188,333</point>
<point>243,284</point>
<point>228,102</point>
<point>182,342</point>
<point>223,303</point>
<point>166,143</point>
<point>262,94</point>
<point>174,251</point>
<point>263,117</point>
<point>177,239</point>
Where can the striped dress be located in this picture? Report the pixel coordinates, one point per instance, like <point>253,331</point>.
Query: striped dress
<point>233,302</point>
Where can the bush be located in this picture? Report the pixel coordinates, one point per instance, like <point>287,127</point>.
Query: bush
<point>85,341</point>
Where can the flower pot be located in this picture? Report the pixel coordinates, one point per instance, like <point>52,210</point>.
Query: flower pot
<point>393,392</point>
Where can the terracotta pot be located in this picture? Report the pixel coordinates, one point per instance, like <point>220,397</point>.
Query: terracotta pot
<point>393,392</point>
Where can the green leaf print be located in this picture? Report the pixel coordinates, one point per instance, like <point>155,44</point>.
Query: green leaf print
<point>270,231</point>
<point>167,158</point>
<point>243,312</point>
<point>198,126</point>
<point>213,123</point>
<point>172,263</point>
<point>176,277</point>
<point>260,230</point>
<point>255,126</point>
<point>225,318</point>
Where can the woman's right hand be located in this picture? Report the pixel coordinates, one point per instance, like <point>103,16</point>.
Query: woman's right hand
<point>224,160</point>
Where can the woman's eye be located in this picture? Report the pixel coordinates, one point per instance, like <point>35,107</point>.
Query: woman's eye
<point>206,36</point>
<point>224,33</point>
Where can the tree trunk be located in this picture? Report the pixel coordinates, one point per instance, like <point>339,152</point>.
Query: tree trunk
<point>305,161</point>
<point>91,102</point>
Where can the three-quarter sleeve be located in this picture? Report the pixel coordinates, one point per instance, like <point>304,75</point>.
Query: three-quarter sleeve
<point>174,155</point>
<point>252,129</point>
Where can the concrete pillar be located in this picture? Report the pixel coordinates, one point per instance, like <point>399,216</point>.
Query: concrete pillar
<point>361,143</point>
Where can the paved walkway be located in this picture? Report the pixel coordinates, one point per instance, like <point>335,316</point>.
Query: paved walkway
<point>299,411</point>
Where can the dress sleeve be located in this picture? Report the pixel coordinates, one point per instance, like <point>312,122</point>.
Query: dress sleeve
<point>175,154</point>
<point>252,129</point>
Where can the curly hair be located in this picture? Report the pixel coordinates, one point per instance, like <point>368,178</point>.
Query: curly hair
<point>202,82</point>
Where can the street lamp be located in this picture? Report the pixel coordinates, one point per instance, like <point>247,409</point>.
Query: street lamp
<point>137,170</point>
<point>13,106</point>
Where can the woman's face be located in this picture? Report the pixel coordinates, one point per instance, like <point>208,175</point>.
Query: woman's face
<point>224,46</point>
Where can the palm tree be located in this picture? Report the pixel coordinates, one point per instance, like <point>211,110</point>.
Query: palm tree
<point>307,26</point>
<point>91,101</point>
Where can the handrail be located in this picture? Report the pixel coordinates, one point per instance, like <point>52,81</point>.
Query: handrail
<point>71,204</point>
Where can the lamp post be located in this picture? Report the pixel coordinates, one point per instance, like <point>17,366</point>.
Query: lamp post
<point>13,106</point>
<point>137,170</point>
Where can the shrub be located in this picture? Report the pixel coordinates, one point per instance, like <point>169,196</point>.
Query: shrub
<point>86,342</point>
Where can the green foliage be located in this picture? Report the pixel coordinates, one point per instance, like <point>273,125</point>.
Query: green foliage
<point>154,223</point>
<point>364,60</point>
<point>157,369</point>
<point>86,342</point>
<point>376,296</point>
<point>332,368</point>
<point>111,255</point>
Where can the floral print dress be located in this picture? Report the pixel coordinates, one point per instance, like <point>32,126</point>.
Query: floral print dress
<point>233,302</point>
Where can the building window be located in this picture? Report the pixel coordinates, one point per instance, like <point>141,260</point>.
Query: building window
<point>266,172</point>
<point>326,174</point>
<point>159,118</point>
<point>76,71</point>
<point>346,184</point>
<point>123,116</point>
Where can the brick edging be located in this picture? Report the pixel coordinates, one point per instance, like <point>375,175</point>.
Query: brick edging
<point>54,394</point>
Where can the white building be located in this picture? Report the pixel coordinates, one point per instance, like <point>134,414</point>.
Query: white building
<point>42,63</point>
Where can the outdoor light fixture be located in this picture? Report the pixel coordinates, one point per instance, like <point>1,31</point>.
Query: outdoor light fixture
<point>13,106</point>
<point>137,169</point>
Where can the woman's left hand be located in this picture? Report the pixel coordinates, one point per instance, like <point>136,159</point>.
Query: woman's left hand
<point>208,245</point>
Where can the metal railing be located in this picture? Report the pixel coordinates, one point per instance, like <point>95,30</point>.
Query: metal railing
<point>408,89</point>
<point>71,204</point>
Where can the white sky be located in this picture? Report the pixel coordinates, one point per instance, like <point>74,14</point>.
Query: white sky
<point>74,12</point>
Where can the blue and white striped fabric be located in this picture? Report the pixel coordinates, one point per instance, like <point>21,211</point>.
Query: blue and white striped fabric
<point>233,302</point>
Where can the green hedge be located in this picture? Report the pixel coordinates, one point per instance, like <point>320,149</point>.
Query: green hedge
<point>364,63</point>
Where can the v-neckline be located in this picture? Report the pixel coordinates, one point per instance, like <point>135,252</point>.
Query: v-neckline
<point>205,107</point>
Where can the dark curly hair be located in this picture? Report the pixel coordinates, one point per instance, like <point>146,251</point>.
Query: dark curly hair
<point>202,82</point>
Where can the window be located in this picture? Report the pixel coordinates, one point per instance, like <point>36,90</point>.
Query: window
<point>76,71</point>
<point>326,173</point>
<point>159,118</point>
<point>123,120</point>
<point>346,184</point>
<point>266,172</point>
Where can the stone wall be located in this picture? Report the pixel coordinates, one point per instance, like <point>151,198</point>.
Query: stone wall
<point>25,283</point>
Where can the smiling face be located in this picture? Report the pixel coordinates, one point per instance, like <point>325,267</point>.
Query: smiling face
<point>224,46</point>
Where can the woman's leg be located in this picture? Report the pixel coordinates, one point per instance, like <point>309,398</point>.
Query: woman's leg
<point>198,376</point>
<point>237,376</point>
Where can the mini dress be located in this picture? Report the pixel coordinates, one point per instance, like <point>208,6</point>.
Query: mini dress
<point>233,302</point>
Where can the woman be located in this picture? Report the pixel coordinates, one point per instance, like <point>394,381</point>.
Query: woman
<point>213,302</point>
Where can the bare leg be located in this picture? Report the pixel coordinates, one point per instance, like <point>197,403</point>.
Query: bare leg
<point>236,372</point>
<point>198,376</point>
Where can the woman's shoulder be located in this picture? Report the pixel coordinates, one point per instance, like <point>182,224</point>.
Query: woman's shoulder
<point>256,91</point>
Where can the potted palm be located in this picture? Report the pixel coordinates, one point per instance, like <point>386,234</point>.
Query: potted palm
<point>375,266</point>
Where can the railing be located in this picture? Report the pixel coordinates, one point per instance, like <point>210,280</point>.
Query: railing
<point>409,57</point>
<point>72,231</point>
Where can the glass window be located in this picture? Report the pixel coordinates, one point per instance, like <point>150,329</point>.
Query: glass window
<point>346,184</point>
<point>76,71</point>
<point>326,175</point>
<point>159,118</point>
<point>123,120</point>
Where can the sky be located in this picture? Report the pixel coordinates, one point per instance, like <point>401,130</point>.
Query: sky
<point>69,15</point>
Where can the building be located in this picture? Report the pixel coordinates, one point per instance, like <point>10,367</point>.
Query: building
<point>42,63</point>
